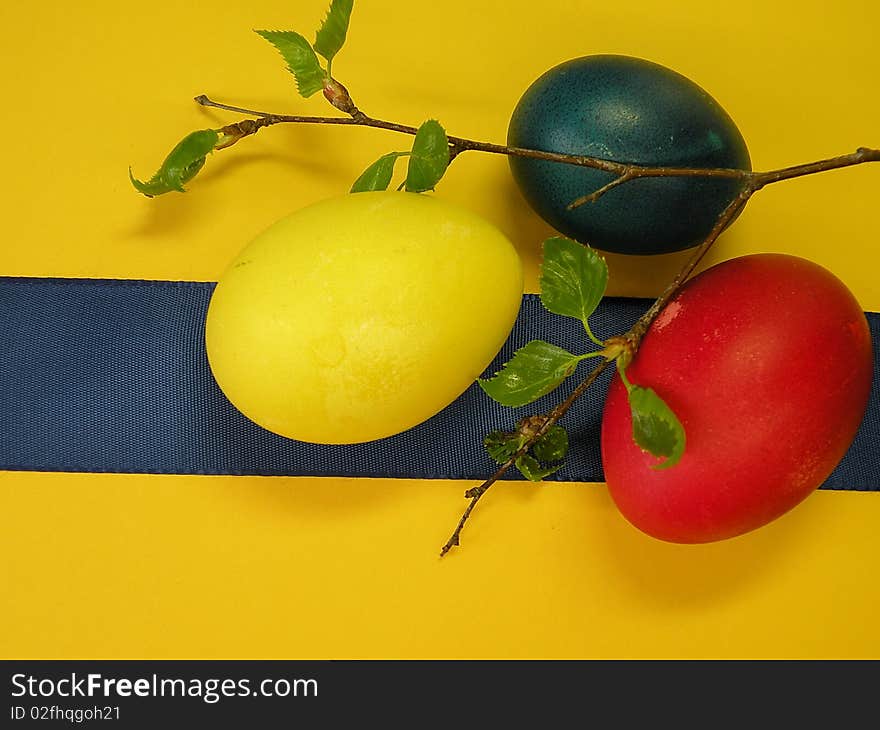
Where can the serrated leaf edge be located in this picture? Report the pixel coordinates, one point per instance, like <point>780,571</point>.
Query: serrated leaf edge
<point>575,249</point>
<point>326,30</point>
<point>304,85</point>
<point>416,157</point>
<point>575,360</point>
<point>675,423</point>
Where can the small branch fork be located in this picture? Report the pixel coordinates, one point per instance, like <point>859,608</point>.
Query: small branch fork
<point>751,181</point>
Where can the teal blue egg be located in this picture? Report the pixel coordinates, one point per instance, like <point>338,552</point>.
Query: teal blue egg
<point>634,111</point>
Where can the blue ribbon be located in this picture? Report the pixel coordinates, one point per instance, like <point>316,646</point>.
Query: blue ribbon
<point>100,375</point>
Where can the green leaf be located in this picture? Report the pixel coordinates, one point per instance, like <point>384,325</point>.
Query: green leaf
<point>181,165</point>
<point>300,57</point>
<point>429,158</point>
<point>532,470</point>
<point>656,429</point>
<point>573,278</point>
<point>552,446</point>
<point>501,445</point>
<point>535,370</point>
<point>331,34</point>
<point>378,175</point>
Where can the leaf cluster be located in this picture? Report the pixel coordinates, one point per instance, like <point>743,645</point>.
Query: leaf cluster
<point>573,280</point>
<point>543,458</point>
<point>428,160</point>
<point>302,57</point>
<point>188,157</point>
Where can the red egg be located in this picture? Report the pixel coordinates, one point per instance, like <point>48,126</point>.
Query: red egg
<point>767,362</point>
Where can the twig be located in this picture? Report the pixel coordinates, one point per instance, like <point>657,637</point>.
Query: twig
<point>632,338</point>
<point>463,144</point>
<point>596,194</point>
<point>624,171</point>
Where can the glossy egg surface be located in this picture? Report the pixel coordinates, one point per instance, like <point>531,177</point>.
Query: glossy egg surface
<point>361,316</point>
<point>633,111</point>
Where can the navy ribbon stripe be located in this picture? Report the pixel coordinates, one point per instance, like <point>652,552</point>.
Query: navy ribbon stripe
<point>101,375</point>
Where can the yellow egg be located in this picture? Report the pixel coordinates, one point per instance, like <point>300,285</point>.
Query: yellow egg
<point>361,316</point>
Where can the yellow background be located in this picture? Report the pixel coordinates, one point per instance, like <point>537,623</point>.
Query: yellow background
<point>181,566</point>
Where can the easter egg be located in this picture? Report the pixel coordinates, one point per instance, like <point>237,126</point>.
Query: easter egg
<point>628,110</point>
<point>361,316</point>
<point>766,360</point>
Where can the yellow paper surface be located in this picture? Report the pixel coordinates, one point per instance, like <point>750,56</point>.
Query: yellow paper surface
<point>143,566</point>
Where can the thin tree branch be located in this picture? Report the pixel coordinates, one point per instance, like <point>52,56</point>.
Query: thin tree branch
<point>631,340</point>
<point>624,171</point>
<point>596,194</point>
